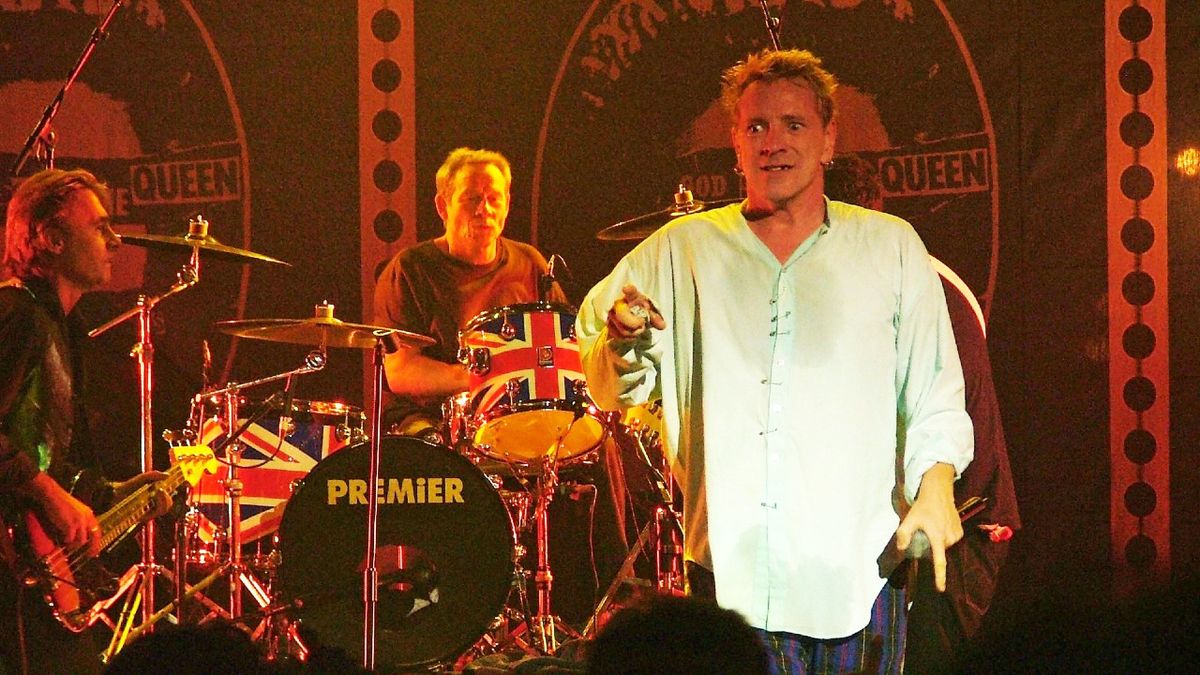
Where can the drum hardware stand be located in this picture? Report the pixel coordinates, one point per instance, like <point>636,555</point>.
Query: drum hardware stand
<point>275,628</point>
<point>188,276</point>
<point>543,626</point>
<point>279,634</point>
<point>240,577</point>
<point>666,531</point>
<point>370,571</point>
<point>126,633</point>
<point>184,534</point>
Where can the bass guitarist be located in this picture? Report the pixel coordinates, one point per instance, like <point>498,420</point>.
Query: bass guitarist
<point>58,245</point>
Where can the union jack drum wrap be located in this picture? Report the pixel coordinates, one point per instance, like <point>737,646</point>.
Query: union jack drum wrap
<point>318,430</point>
<point>527,400</point>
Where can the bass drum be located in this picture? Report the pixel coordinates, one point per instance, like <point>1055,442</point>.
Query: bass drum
<point>445,553</point>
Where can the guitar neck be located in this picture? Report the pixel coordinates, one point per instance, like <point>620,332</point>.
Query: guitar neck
<point>134,508</point>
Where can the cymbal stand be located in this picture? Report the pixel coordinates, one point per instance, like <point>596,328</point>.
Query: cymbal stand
<point>238,574</point>
<point>370,571</point>
<point>240,577</point>
<point>143,351</point>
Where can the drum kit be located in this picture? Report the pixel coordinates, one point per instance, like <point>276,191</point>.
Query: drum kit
<point>433,556</point>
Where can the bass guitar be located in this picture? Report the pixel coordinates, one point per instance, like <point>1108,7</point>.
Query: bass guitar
<point>72,582</point>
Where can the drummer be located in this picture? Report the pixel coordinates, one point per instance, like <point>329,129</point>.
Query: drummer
<point>437,286</point>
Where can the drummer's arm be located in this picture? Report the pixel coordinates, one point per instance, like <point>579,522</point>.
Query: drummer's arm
<point>411,373</point>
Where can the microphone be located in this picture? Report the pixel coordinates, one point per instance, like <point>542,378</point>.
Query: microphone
<point>546,279</point>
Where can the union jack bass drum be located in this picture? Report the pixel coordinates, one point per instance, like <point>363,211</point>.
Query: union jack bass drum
<point>527,400</point>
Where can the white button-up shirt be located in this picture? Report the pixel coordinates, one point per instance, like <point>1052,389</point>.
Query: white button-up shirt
<point>798,399</point>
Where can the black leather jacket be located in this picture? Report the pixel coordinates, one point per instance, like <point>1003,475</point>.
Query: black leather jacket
<point>42,424</point>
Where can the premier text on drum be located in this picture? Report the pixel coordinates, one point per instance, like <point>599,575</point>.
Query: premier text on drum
<point>433,490</point>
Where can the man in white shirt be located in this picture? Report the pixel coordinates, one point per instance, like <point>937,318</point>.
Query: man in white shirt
<point>812,393</point>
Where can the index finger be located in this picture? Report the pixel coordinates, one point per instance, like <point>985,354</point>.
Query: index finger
<point>939,564</point>
<point>94,540</point>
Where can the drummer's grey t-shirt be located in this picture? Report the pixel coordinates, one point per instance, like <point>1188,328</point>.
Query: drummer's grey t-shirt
<point>426,290</point>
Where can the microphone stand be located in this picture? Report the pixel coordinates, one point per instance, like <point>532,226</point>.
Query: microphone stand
<point>40,133</point>
<point>772,24</point>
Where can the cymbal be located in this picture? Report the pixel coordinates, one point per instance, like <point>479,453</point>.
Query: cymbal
<point>322,330</point>
<point>646,224</point>
<point>198,238</point>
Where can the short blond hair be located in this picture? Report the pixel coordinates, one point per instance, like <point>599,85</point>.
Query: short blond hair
<point>797,65</point>
<point>460,157</point>
<point>35,207</point>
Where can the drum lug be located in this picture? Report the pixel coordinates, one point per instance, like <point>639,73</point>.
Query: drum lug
<point>349,434</point>
<point>481,361</point>
<point>507,330</point>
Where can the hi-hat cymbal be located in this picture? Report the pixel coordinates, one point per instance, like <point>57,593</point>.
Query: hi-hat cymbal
<point>322,330</point>
<point>646,224</point>
<point>198,238</point>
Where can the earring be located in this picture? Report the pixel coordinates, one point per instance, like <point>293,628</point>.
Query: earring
<point>737,168</point>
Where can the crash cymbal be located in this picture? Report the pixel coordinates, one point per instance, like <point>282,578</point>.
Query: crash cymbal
<point>322,330</point>
<point>644,225</point>
<point>197,237</point>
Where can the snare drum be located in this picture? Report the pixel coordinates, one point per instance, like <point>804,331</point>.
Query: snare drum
<point>527,397</point>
